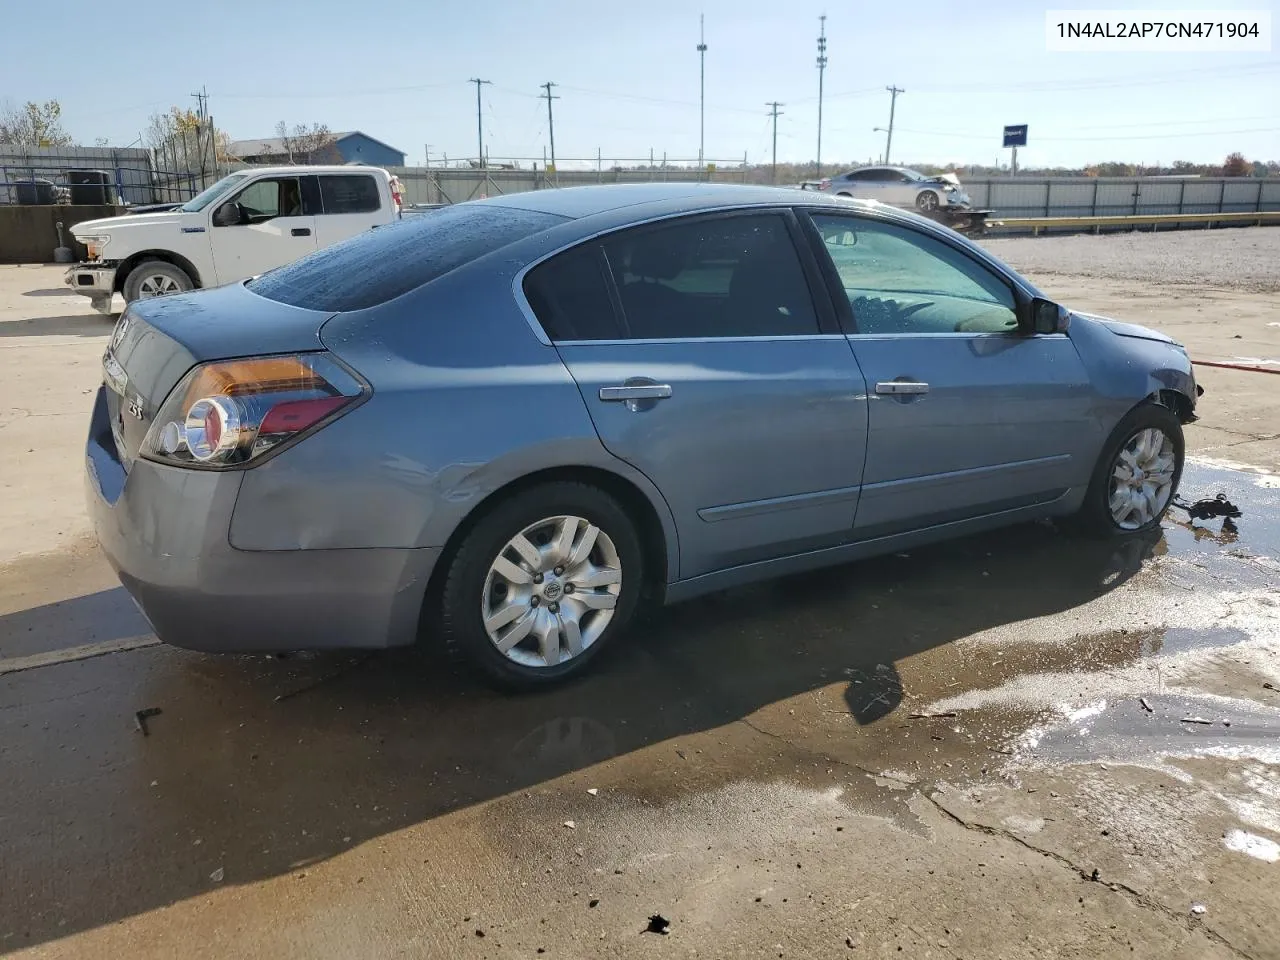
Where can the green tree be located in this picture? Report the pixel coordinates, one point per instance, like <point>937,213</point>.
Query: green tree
<point>34,125</point>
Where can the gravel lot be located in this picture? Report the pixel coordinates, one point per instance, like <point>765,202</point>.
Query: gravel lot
<point>1245,259</point>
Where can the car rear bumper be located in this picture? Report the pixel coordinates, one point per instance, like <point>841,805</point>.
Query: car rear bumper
<point>165,531</point>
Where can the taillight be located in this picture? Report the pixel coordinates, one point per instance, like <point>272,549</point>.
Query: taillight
<point>824,184</point>
<point>231,412</point>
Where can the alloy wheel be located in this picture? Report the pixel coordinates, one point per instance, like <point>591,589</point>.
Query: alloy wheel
<point>157,285</point>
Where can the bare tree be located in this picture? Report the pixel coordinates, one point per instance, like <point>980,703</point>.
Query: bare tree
<point>1236,166</point>
<point>34,125</point>
<point>308,144</point>
<point>182,141</point>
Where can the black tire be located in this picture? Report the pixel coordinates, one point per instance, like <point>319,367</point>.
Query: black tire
<point>845,193</point>
<point>927,200</point>
<point>1095,513</point>
<point>149,269</point>
<point>460,616</point>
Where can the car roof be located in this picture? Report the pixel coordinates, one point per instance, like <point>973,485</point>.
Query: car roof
<point>305,169</point>
<point>578,202</point>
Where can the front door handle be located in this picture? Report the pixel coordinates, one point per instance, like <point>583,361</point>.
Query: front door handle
<point>635,391</point>
<point>300,232</point>
<point>898,388</point>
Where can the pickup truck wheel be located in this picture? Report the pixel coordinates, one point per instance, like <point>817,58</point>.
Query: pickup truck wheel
<point>155,278</point>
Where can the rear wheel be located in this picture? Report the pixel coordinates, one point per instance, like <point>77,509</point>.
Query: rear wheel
<point>1137,475</point>
<point>155,278</point>
<point>541,584</point>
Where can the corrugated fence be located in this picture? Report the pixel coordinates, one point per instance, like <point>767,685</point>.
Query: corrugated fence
<point>1121,196</point>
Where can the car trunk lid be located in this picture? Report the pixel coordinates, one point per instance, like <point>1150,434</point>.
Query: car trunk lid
<point>157,341</point>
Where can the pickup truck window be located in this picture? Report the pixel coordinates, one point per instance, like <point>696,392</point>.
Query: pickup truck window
<point>380,265</point>
<point>349,193</point>
<point>266,199</point>
<point>210,194</point>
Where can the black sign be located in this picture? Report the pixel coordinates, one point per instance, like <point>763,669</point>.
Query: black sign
<point>1015,136</point>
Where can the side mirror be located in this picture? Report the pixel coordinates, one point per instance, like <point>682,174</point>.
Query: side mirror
<point>230,214</point>
<point>1049,317</point>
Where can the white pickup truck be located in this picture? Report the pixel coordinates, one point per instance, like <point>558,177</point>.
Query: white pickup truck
<point>243,225</point>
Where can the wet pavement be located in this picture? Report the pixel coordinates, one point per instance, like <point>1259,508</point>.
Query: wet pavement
<point>994,719</point>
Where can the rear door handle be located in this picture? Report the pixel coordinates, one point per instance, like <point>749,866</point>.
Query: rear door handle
<point>639,391</point>
<point>300,232</point>
<point>898,388</point>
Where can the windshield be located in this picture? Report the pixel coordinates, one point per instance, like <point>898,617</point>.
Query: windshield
<point>913,174</point>
<point>207,196</point>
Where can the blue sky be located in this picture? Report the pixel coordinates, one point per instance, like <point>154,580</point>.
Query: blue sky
<point>628,76</point>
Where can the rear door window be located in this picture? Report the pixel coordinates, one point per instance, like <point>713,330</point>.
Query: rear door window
<point>737,276</point>
<point>570,296</point>
<point>349,193</point>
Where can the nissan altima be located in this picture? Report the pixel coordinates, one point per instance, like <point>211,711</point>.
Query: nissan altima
<point>509,423</point>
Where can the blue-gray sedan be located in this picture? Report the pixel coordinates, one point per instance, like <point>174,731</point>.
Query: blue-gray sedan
<point>511,422</point>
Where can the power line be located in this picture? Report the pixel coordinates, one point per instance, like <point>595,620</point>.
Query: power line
<point>822,70</point>
<point>551,126</point>
<point>1153,136</point>
<point>773,171</point>
<point>479,122</point>
<point>702,89</point>
<point>893,101</point>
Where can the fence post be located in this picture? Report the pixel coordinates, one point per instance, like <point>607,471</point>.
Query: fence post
<point>599,167</point>
<point>744,166</point>
<point>1182,192</point>
<point>1222,194</point>
<point>651,172</point>
<point>1257,203</point>
<point>1048,192</point>
<point>1094,206</point>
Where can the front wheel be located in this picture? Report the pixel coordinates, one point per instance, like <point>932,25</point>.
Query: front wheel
<point>541,584</point>
<point>1137,476</point>
<point>927,200</point>
<point>155,278</point>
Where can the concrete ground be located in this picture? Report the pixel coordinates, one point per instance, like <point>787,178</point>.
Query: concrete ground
<point>1015,745</point>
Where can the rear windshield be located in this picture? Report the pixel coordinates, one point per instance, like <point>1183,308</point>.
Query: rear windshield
<point>379,265</point>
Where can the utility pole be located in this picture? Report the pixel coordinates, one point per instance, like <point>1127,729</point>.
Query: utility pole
<point>551,126</point>
<point>479,126</point>
<point>702,89</point>
<point>774,105</point>
<point>893,99</point>
<point>427,150</point>
<point>822,69</point>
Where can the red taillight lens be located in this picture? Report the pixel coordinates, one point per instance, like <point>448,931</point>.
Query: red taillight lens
<point>296,415</point>
<point>228,413</point>
<point>213,426</point>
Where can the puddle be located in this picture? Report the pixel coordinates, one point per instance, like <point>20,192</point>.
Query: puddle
<point>1189,668</point>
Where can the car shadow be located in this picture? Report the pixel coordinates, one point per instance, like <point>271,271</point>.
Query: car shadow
<point>72,325</point>
<point>58,292</point>
<point>91,618</point>
<point>259,765</point>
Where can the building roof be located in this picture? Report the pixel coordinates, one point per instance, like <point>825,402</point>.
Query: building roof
<point>274,146</point>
